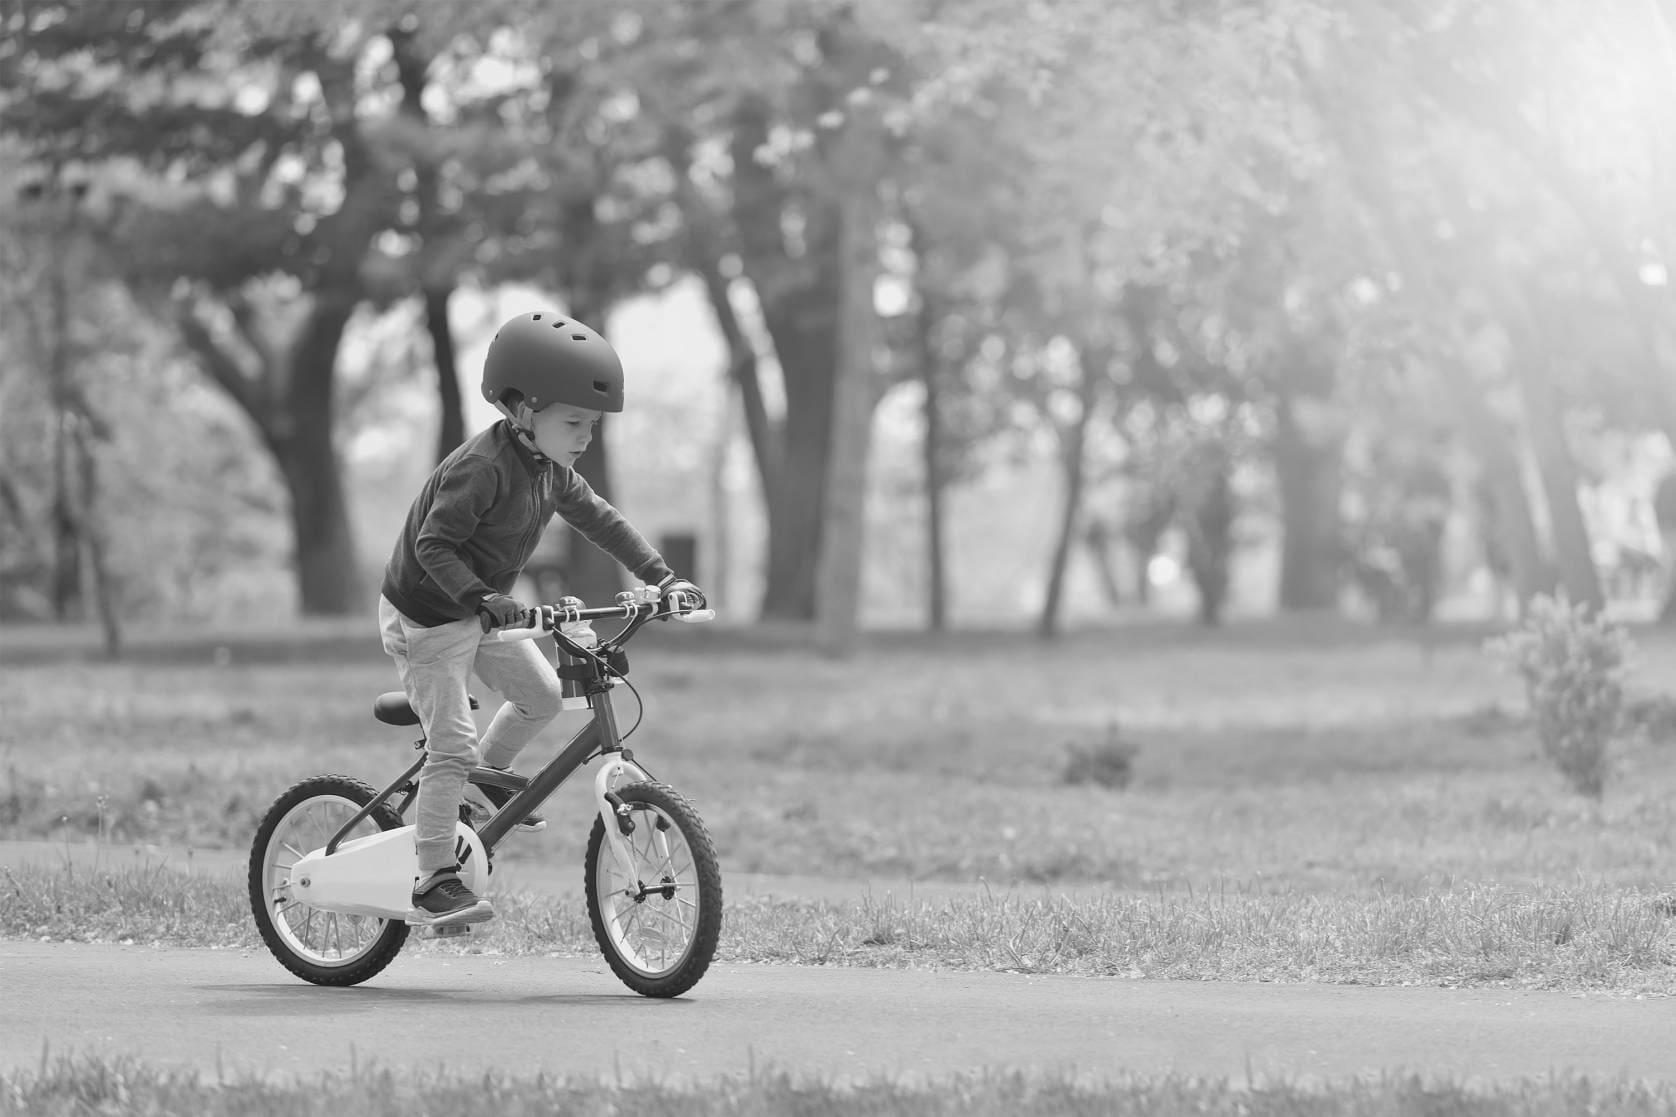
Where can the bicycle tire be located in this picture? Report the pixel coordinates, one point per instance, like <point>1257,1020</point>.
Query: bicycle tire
<point>613,904</point>
<point>378,940</point>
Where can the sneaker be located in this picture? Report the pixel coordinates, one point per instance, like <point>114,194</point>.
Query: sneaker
<point>443,900</point>
<point>498,797</point>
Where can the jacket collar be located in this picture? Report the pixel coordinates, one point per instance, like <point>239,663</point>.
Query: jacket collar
<point>524,446</point>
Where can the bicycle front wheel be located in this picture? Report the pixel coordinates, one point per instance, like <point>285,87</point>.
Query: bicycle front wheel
<point>327,948</point>
<point>658,920</point>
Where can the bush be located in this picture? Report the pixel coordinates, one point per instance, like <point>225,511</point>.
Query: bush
<point>1108,762</point>
<point>1572,663</point>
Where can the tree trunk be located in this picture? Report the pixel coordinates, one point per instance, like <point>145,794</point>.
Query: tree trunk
<point>799,298</point>
<point>1210,534</point>
<point>1504,478</point>
<point>704,253</point>
<point>843,529</point>
<point>436,283</point>
<point>1091,367</point>
<point>290,403</point>
<point>1309,477</point>
<point>932,456</point>
<point>1145,533</point>
<point>66,563</point>
<point>328,577</point>
<point>452,429</point>
<point>1098,538</point>
<point>1558,469</point>
<point>106,596</point>
<point>717,575</point>
<point>1664,512</point>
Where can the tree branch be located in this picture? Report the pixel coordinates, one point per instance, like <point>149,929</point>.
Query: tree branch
<point>222,367</point>
<point>704,252</point>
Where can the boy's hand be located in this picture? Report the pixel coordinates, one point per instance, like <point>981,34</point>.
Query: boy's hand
<point>497,610</point>
<point>694,597</point>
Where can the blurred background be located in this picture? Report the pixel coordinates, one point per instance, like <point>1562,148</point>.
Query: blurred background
<point>934,314</point>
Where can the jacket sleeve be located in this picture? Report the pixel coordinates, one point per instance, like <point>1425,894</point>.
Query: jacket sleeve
<point>464,494</point>
<point>603,526</point>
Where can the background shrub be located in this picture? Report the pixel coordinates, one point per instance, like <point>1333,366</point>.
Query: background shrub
<point>1572,661</point>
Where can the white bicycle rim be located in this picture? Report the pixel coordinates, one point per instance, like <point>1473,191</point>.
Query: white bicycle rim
<point>652,934</point>
<point>324,938</point>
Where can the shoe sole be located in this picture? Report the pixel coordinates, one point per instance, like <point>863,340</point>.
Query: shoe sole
<point>477,913</point>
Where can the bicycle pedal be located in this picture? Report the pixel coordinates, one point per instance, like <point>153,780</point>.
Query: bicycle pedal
<point>446,931</point>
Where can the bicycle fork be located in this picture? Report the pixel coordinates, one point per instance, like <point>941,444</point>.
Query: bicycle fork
<point>614,814</point>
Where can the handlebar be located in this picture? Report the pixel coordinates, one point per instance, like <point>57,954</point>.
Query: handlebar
<point>545,619</point>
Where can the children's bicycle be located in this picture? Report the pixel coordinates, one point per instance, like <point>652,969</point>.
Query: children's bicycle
<point>333,864</point>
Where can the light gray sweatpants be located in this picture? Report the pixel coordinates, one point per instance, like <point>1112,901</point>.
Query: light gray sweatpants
<point>435,665</point>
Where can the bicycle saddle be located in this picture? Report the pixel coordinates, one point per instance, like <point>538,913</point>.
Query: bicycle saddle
<point>393,708</point>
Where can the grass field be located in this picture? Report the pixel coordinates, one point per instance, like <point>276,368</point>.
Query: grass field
<point>1320,804</point>
<point>1332,804</point>
<point>1329,761</point>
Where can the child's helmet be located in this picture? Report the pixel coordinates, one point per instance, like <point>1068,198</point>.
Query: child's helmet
<point>549,358</point>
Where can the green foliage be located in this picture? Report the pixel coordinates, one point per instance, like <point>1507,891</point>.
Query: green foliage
<point>1572,662</point>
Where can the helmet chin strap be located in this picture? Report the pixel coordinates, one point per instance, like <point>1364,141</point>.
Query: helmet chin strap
<point>522,421</point>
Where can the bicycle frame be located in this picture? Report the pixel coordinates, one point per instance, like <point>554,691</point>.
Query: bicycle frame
<point>600,736</point>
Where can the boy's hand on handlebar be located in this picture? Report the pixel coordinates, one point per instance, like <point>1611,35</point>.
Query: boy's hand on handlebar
<point>497,610</point>
<point>680,593</point>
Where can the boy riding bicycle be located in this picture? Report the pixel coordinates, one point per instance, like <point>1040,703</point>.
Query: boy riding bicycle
<point>466,539</point>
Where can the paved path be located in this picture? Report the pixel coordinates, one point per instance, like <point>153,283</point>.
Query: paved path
<point>435,1006</point>
<point>238,1010</point>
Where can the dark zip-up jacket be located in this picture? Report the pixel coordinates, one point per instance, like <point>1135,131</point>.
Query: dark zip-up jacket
<point>477,521</point>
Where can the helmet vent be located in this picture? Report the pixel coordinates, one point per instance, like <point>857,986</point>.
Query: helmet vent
<point>579,337</point>
<point>535,318</point>
<point>558,323</point>
<point>602,387</point>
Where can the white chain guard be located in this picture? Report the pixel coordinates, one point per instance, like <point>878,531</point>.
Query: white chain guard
<point>374,875</point>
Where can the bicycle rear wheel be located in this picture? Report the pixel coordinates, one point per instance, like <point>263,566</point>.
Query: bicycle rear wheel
<point>327,948</point>
<point>658,923</point>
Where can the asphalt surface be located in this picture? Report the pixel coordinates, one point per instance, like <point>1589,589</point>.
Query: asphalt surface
<point>443,1007</point>
<point>237,1011</point>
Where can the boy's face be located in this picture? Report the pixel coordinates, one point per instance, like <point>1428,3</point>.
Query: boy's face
<point>562,432</point>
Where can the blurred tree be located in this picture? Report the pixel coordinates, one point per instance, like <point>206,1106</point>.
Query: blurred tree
<point>1464,236</point>
<point>289,187</point>
<point>439,232</point>
<point>52,264</point>
<point>778,132</point>
<point>160,497</point>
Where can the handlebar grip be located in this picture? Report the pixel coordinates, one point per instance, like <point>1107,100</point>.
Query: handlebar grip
<point>530,631</point>
<point>697,616</point>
